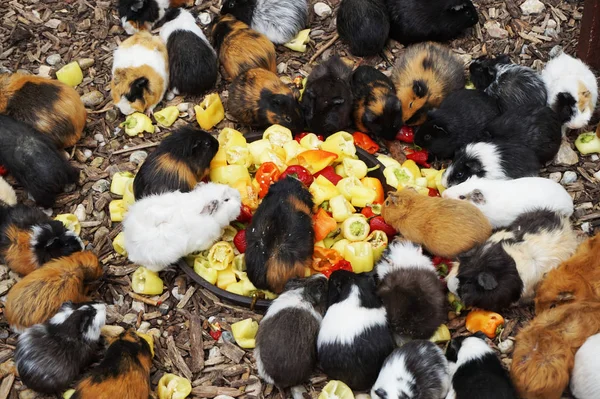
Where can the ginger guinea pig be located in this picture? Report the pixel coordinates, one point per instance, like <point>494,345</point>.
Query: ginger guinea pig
<point>137,15</point>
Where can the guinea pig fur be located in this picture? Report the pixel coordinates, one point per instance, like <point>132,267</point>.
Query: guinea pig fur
<point>280,236</point>
<point>258,97</point>
<point>327,98</point>
<point>7,193</point>
<point>286,342</point>
<point>34,161</point>
<point>354,339</point>
<point>49,106</point>
<point>124,372</point>
<point>140,73</point>
<point>584,378</point>
<point>50,356</point>
<point>160,229</point>
<point>241,48</point>
<point>192,60</point>
<point>377,109</point>
<point>180,162</point>
<point>502,201</point>
<point>58,281</point>
<point>417,370</point>
<point>364,25</point>
<point>424,75</point>
<point>460,119</point>
<point>491,160</point>
<point>410,291</point>
<point>444,227</point>
<point>572,90</point>
<point>137,15</point>
<point>514,260</point>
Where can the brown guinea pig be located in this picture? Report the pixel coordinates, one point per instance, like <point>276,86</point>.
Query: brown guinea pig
<point>241,48</point>
<point>258,97</point>
<point>49,106</point>
<point>39,295</point>
<point>444,227</point>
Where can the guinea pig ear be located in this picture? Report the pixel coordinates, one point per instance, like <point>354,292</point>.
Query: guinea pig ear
<point>487,281</point>
<point>137,5</point>
<point>473,166</point>
<point>477,197</point>
<point>210,208</point>
<point>420,88</point>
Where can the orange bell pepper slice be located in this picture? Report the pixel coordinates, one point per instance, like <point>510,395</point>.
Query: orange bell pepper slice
<point>323,224</point>
<point>374,184</point>
<point>489,323</point>
<point>324,258</point>
<point>316,160</point>
<point>365,142</point>
<point>267,174</point>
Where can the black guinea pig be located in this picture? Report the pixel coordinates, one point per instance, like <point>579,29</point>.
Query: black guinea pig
<point>364,25</point>
<point>137,15</point>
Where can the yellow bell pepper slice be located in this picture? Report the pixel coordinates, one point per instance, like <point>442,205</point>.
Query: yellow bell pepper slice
<point>248,193</point>
<point>355,228</point>
<point>362,196</point>
<point>244,333</point>
<point>236,288</point>
<point>220,255</point>
<point>128,196</point>
<point>340,170</point>
<point>340,246</point>
<point>167,116</point>
<point>316,160</point>
<point>413,167</point>
<point>360,255</point>
<point>119,244</point>
<point>230,174</point>
<point>336,390</point>
<point>311,142</point>
<point>340,143</point>
<point>442,334</point>
<point>421,182</point>
<point>247,285</point>
<point>438,181</point>
<point>119,182</point>
<point>299,42</point>
<point>71,74</point>
<point>322,190</point>
<point>137,123</point>
<point>171,386</point>
<point>398,176</point>
<point>225,278</point>
<point>379,241</point>
<point>68,394</point>
<point>346,184</point>
<point>117,210</point>
<point>149,339</point>
<point>257,148</point>
<point>220,158</point>
<point>341,209</point>
<point>387,160</point>
<point>430,174</point>
<point>278,135</point>
<point>70,221</point>
<point>210,111</point>
<point>238,155</point>
<point>229,137</point>
<point>292,150</point>
<point>146,282</point>
<point>203,269</point>
<point>277,158</point>
<point>354,167</point>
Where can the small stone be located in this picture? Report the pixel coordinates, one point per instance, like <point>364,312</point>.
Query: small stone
<point>5,285</point>
<point>163,308</point>
<point>130,318</point>
<point>597,175</point>
<point>97,162</point>
<point>586,227</point>
<point>183,107</point>
<point>138,306</point>
<point>532,7</point>
<point>85,63</point>
<point>28,394</point>
<point>204,18</point>
<point>551,24</point>
<point>138,157</point>
<point>555,176</point>
<point>52,23</point>
<point>154,332</point>
<point>282,67</point>
<point>80,213</point>
<point>494,29</point>
<point>298,392</point>
<point>44,71</point>
<point>316,33</point>
<point>92,98</point>
<point>53,59</point>
<point>99,137</point>
<point>176,294</point>
<point>227,336</point>
<point>214,352</point>
<point>111,115</point>
<point>87,153</point>
<point>506,346</point>
<point>566,156</point>
<point>568,178</point>
<point>101,186</point>
<point>144,327</point>
<point>322,9</point>
<point>594,157</point>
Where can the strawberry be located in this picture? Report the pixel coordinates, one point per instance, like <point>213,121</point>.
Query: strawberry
<point>240,241</point>
<point>245,215</point>
<point>3,171</point>
<point>377,223</point>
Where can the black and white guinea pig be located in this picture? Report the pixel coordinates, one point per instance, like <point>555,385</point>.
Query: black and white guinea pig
<point>416,370</point>
<point>286,342</point>
<point>364,25</point>
<point>491,160</point>
<point>411,292</point>
<point>138,15</point>
<point>50,356</point>
<point>354,339</point>
<point>192,60</point>
<point>459,120</point>
<point>477,371</point>
<point>584,377</point>
<point>327,98</point>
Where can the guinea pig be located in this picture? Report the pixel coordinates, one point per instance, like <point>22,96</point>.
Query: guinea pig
<point>160,229</point>
<point>354,339</point>
<point>478,373</point>
<point>258,97</point>
<point>241,48</point>
<point>140,73</point>
<point>280,236</point>
<point>34,161</point>
<point>124,372</point>
<point>416,370</point>
<point>502,201</point>
<point>460,119</point>
<point>49,106</point>
<point>192,60</point>
<point>40,294</point>
<point>584,378</point>
<point>180,162</point>
<point>444,227</point>
<point>286,342</point>
<point>364,25</point>
<point>137,15</point>
<point>327,98</point>
<point>410,291</point>
<point>279,20</point>
<point>424,75</point>
<point>50,356</point>
<point>491,160</point>
<point>376,109</point>
<point>508,267</point>
<point>572,90</point>
<point>7,193</point>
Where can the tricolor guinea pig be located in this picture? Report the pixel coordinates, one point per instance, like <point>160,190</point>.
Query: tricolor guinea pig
<point>137,15</point>
<point>49,106</point>
<point>584,378</point>
<point>364,25</point>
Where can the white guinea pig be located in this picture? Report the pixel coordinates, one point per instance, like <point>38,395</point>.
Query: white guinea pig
<point>502,201</point>
<point>584,378</point>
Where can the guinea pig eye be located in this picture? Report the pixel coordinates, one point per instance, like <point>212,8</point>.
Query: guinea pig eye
<point>410,105</point>
<point>287,119</point>
<point>462,197</point>
<point>427,137</point>
<point>459,175</point>
<point>552,306</point>
<point>226,200</point>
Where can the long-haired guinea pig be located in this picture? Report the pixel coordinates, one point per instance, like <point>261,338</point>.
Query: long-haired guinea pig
<point>364,25</point>
<point>424,75</point>
<point>460,119</point>
<point>584,378</point>
<point>509,266</point>
<point>280,237</point>
<point>39,295</point>
<point>241,48</point>
<point>478,373</point>
<point>258,97</point>
<point>34,161</point>
<point>180,162</point>
<point>377,109</point>
<point>417,370</point>
<point>410,291</point>
<point>327,98</point>
<point>279,20</point>
<point>160,229</point>
<point>137,15</point>
<point>49,106</point>
<point>286,342</point>
<point>502,201</point>
<point>354,339</point>
<point>140,73</point>
<point>192,60</point>
<point>50,356</point>
<point>491,160</point>
<point>124,372</point>
<point>444,227</point>
<point>572,90</point>
<point>8,196</point>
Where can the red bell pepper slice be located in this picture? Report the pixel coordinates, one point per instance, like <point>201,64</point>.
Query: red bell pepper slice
<point>300,173</point>
<point>324,259</point>
<point>267,174</point>
<point>300,136</point>
<point>245,214</point>
<point>420,157</point>
<point>406,134</point>
<point>240,241</point>
<point>378,223</point>
<point>365,142</point>
<point>329,173</point>
<point>341,265</point>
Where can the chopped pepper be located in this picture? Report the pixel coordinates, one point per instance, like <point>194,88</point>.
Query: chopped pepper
<point>455,302</point>
<point>220,255</point>
<point>322,190</point>
<point>230,174</point>
<point>225,278</point>
<point>119,244</point>
<point>292,149</point>
<point>267,174</point>
<point>299,42</point>
<point>588,143</point>
<point>442,334</point>
<point>336,390</point>
<point>360,255</point>
<point>278,135</point>
<point>171,386</point>
<point>341,209</point>
<point>365,142</point>
<point>71,74</point>
<point>244,333</point>
<point>489,323</point>
<point>355,228</point>
<point>341,265</point>
<point>117,210</point>
<point>443,265</point>
<point>329,173</point>
<point>167,116</point>
<point>316,160</point>
<point>398,176</point>
<point>137,123</point>
<point>128,196</point>
<point>378,223</point>
<point>240,241</point>
<point>323,224</point>
<point>433,192</point>
<point>119,182</point>
<point>300,173</point>
<point>374,184</point>
<point>371,210</point>
<point>245,215</point>
<point>70,221</point>
<point>146,282</point>
<point>324,259</point>
<point>229,137</point>
<point>406,134</point>
<point>354,167</point>
<point>379,241</point>
<point>210,111</point>
<point>300,136</point>
<point>340,143</point>
<point>202,269</point>
<point>149,339</point>
<point>361,195</point>
<point>420,157</point>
